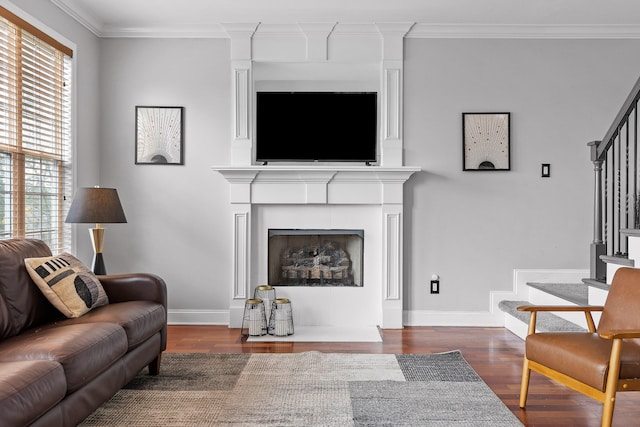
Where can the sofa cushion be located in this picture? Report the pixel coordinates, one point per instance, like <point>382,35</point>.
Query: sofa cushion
<point>70,286</point>
<point>28,389</point>
<point>83,350</point>
<point>139,319</point>
<point>22,305</point>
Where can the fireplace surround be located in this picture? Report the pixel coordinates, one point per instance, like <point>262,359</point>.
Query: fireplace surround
<point>319,57</point>
<point>324,197</point>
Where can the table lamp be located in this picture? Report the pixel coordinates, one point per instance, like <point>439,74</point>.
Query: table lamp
<point>100,206</point>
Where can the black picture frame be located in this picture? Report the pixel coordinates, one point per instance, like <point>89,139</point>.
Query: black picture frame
<point>486,141</point>
<point>159,135</point>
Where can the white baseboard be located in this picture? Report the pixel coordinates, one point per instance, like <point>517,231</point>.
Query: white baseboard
<point>452,318</point>
<point>493,317</point>
<point>198,317</point>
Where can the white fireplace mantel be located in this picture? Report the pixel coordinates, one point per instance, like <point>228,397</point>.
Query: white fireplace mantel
<point>369,185</point>
<point>321,187</point>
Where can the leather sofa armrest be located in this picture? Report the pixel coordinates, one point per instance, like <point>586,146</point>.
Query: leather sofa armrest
<point>138,287</point>
<point>135,287</point>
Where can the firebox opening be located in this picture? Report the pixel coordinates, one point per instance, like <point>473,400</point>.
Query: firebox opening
<point>315,257</point>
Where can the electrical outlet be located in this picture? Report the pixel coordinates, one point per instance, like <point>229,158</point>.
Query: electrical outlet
<point>546,170</point>
<point>435,286</point>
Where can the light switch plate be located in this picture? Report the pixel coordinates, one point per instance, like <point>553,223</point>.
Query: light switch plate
<point>546,170</point>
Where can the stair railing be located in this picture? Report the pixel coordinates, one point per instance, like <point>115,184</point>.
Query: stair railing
<point>616,198</point>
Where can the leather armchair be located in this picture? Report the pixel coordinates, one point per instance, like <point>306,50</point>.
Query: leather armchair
<point>599,362</point>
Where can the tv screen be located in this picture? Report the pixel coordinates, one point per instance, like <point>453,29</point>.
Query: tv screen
<point>316,126</point>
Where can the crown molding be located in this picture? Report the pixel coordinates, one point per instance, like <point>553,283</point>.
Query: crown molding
<point>417,31</point>
<point>244,29</point>
<point>211,31</point>
<point>484,31</point>
<point>84,19</point>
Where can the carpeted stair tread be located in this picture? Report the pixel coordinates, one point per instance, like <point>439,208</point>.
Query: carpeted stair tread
<point>577,293</point>
<point>546,322</point>
<point>595,283</point>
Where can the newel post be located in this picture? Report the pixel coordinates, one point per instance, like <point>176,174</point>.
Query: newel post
<point>598,268</point>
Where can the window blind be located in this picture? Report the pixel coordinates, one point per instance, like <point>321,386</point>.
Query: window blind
<point>35,134</point>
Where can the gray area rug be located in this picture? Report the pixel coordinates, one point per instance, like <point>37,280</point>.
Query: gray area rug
<point>307,389</point>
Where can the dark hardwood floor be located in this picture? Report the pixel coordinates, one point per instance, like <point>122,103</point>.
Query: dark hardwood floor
<point>495,354</point>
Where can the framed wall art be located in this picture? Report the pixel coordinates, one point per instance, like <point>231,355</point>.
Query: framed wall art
<point>159,135</point>
<point>485,141</point>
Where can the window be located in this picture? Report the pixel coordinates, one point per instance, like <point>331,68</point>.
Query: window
<point>35,134</point>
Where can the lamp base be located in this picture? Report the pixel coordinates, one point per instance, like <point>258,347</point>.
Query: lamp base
<point>97,239</point>
<point>98,264</point>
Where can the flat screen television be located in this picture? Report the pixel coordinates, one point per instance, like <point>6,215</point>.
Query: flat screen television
<point>316,126</point>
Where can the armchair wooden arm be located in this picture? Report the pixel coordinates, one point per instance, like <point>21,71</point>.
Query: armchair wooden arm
<point>620,334</point>
<point>534,309</point>
<point>560,308</point>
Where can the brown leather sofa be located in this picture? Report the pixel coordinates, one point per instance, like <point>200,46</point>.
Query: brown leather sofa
<point>56,371</point>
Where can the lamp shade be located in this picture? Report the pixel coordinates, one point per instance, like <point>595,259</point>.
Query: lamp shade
<point>96,205</point>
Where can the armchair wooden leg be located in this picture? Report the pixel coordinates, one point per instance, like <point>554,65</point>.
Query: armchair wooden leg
<point>524,385</point>
<point>607,412</point>
<point>612,384</point>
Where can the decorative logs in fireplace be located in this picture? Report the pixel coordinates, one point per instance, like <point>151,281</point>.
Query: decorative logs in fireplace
<point>323,264</point>
<point>315,257</point>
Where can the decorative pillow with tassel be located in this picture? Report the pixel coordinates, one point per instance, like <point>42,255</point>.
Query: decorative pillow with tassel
<point>69,285</point>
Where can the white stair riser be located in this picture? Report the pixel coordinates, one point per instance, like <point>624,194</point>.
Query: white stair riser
<point>597,297</point>
<point>611,271</point>
<point>517,326</point>
<point>633,247</point>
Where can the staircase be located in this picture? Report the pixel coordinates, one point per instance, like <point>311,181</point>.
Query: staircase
<point>616,231</point>
<point>616,197</point>
<point>547,294</point>
<point>590,292</point>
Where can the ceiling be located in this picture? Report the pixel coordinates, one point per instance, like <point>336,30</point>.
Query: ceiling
<point>131,18</point>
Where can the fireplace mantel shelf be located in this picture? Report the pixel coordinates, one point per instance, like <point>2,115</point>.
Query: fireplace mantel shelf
<point>313,172</point>
<point>322,184</point>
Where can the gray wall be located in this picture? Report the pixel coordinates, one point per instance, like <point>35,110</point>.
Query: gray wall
<point>471,228</point>
<point>474,228</point>
<point>178,216</point>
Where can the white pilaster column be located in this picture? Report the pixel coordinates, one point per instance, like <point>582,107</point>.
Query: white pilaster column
<point>392,303</point>
<point>241,36</point>
<point>241,263</point>
<point>392,251</point>
<point>391,91</point>
<point>240,197</point>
